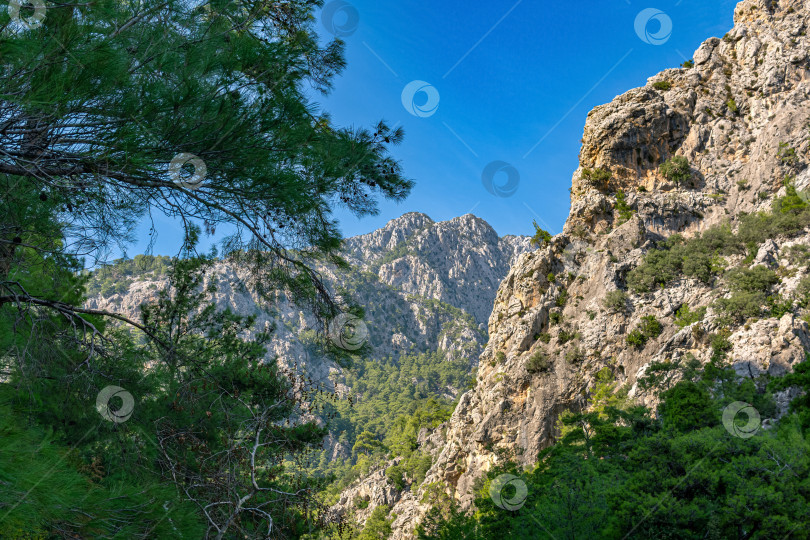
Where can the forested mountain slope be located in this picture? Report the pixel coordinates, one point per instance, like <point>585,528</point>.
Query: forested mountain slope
<point>424,288</point>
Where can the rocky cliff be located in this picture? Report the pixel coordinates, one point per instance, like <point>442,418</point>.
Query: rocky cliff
<point>739,115</point>
<point>424,285</point>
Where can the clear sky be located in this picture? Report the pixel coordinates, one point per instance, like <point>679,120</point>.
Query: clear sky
<point>514,82</point>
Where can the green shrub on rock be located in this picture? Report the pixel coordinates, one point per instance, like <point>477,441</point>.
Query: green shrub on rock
<point>615,301</point>
<point>538,363</point>
<point>677,169</point>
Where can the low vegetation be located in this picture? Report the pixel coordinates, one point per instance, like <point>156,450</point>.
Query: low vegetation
<point>538,363</point>
<point>649,328</point>
<point>616,462</point>
<point>677,170</point>
<point>615,301</point>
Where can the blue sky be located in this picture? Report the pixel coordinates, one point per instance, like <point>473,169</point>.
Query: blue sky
<point>515,81</point>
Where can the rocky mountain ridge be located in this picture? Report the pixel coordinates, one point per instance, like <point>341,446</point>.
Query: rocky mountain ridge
<point>699,146</point>
<point>424,285</point>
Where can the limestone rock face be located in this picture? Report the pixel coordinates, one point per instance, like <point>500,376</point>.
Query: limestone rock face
<point>425,286</point>
<point>746,94</point>
<point>741,117</point>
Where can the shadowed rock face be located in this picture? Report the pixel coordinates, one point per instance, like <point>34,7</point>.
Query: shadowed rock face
<point>746,95</point>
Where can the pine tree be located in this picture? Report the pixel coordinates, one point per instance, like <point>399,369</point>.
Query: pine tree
<point>108,106</point>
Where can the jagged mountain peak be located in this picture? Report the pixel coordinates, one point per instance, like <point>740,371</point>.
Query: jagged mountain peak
<point>460,261</point>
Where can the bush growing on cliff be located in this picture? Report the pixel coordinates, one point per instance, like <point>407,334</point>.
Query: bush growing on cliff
<point>625,210</point>
<point>538,363</point>
<point>615,301</point>
<point>541,237</point>
<point>598,178</point>
<point>684,316</point>
<point>649,328</point>
<point>750,289</point>
<point>675,258</point>
<point>677,169</point>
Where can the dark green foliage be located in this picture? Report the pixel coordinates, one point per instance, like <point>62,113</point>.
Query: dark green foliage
<point>757,279</point>
<point>750,288</point>
<point>741,305</point>
<point>622,472</point>
<point>399,398</point>
<point>116,277</point>
<point>140,84</point>
<point>624,209</point>
<point>687,406</point>
<point>677,170</point>
<point>688,64</point>
<point>538,363</point>
<point>720,344</point>
<point>674,258</point>
<point>555,317</point>
<point>803,291</point>
<point>799,255</point>
<point>636,339</point>
<point>566,334</point>
<point>562,299</point>
<point>394,474</point>
<point>799,378</point>
<point>684,316</point>
<point>615,301</point>
<point>541,237</point>
<point>378,525</point>
<point>575,355</point>
<point>787,154</point>
<point>649,328</point>
<point>103,97</point>
<point>662,85</point>
<point>599,178</point>
<point>699,257</point>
